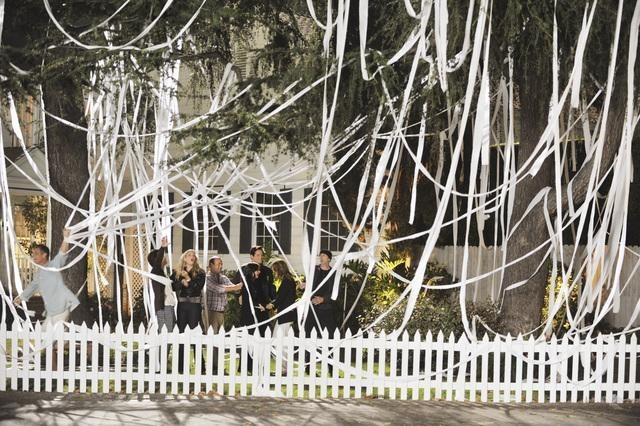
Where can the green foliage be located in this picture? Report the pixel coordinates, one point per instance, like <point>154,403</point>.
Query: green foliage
<point>34,211</point>
<point>435,310</point>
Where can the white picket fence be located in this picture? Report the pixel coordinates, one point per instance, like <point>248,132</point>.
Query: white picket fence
<point>362,365</point>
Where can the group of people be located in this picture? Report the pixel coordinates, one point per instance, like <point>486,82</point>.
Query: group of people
<point>202,295</point>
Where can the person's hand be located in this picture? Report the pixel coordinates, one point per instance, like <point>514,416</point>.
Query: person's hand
<point>184,274</point>
<point>17,301</point>
<point>66,233</point>
<point>317,300</point>
<point>269,306</point>
<point>302,285</point>
<point>260,307</point>
<point>164,242</point>
<point>238,287</point>
<point>185,283</point>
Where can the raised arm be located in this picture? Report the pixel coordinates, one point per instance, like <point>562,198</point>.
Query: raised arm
<point>64,247</point>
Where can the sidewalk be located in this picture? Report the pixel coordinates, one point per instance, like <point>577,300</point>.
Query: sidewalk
<point>111,409</point>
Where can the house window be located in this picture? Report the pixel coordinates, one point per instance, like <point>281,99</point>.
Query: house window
<point>332,230</point>
<point>215,241</point>
<point>254,230</point>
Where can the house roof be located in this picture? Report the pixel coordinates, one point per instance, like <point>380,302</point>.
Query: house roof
<point>17,160</point>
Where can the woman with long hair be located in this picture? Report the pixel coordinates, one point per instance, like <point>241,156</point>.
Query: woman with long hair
<point>188,282</point>
<point>285,297</point>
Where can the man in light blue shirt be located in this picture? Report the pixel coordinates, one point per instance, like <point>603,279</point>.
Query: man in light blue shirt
<point>59,301</point>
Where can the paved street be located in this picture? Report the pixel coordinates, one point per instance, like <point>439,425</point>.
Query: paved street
<point>56,409</point>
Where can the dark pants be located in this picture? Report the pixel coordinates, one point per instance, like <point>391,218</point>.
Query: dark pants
<point>326,319</point>
<point>189,315</point>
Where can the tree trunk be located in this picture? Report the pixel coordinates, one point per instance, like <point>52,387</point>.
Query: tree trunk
<point>522,307</point>
<point>68,171</point>
<point>520,310</point>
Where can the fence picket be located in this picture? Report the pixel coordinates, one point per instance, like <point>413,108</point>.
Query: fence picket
<point>59,342</point>
<point>95,360</point>
<point>599,371</point>
<point>415,369</point>
<point>450,348</point>
<point>128,376</point>
<point>633,383</point>
<point>84,341</point>
<point>14,355</point>
<point>518,348</point>
<point>564,374</point>
<point>507,385</point>
<point>610,358</point>
<point>622,352</point>
<point>37,361</point>
<point>428,370</point>
<point>3,356</point>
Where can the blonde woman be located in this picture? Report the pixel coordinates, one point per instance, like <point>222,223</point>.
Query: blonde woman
<point>188,282</point>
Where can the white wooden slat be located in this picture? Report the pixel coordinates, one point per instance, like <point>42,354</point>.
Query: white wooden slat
<point>415,369</point>
<point>496,344</point>
<point>554,360</point>
<point>599,370</point>
<point>610,359</point>
<point>174,376</point>
<point>393,365</point>
<point>633,354</point>
<point>370,361</point>
<point>439,346</point>
<point>59,343</point>
<point>473,371</point>
<point>382,363</point>
<point>13,340</point>
<point>347,346</point>
<point>83,374</point>
<point>518,348</point>
<point>25,360</point>
<point>117,362</point>
<point>129,360</point>
<point>484,369</point>
<point>147,373</point>
<point>3,356</point>
<point>335,357</point>
<point>541,351</point>
<point>585,360</point>
<point>508,357</point>
<point>450,345</point>
<point>575,371</point>
<point>463,351</point>
<point>290,350</point>
<point>404,366</point>
<point>563,373</point>
<point>95,360</point>
<point>428,370</point>
<point>530,360</point>
<point>621,360</point>
<point>37,357</point>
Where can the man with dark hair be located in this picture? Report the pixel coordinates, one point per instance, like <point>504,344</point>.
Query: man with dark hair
<point>218,285</point>
<point>265,280</point>
<point>59,301</point>
<point>321,313</point>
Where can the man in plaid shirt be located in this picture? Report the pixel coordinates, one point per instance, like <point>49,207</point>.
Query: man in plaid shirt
<point>218,285</point>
